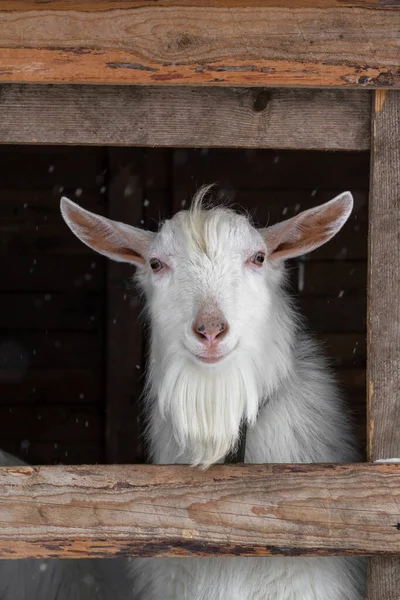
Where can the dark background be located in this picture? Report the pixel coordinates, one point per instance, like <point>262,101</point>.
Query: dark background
<point>72,351</point>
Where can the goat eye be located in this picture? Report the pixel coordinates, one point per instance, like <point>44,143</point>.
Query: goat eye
<point>258,258</point>
<point>156,265</point>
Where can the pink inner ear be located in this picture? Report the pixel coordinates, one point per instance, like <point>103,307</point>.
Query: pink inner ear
<point>115,240</point>
<point>308,230</point>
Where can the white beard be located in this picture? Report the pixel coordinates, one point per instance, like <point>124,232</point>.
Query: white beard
<point>206,406</point>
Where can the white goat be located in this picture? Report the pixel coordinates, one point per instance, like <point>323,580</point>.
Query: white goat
<point>227,347</point>
<point>65,579</point>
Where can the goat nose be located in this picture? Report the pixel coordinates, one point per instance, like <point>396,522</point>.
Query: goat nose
<point>210,330</point>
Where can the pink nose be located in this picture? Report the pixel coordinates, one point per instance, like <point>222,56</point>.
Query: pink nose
<point>210,328</point>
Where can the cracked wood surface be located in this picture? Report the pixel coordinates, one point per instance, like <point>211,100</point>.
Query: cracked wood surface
<point>247,510</point>
<point>232,42</point>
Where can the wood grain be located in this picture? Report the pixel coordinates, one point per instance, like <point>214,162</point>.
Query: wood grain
<point>249,510</point>
<point>195,117</point>
<point>93,5</point>
<point>350,44</point>
<point>384,281</point>
<point>383,313</point>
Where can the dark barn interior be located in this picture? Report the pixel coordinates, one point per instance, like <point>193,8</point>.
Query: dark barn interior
<point>72,350</point>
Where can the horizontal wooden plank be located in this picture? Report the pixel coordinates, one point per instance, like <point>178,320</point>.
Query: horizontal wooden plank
<point>340,278</point>
<point>69,452</point>
<point>335,315</point>
<point>50,386</point>
<point>45,167</point>
<point>247,510</point>
<point>345,349</point>
<point>51,273</point>
<point>92,5</point>
<point>78,311</point>
<point>267,170</point>
<point>53,350</point>
<point>51,423</point>
<point>174,43</point>
<point>43,205</point>
<point>28,238</point>
<point>179,117</point>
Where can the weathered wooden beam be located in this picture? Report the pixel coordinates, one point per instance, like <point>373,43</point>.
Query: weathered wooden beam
<point>231,42</point>
<point>195,117</point>
<point>249,510</point>
<point>384,311</point>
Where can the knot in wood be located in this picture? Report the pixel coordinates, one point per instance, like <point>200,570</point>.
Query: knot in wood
<point>261,100</point>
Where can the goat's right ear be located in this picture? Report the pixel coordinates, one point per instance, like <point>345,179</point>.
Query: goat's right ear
<point>115,240</point>
<point>308,230</point>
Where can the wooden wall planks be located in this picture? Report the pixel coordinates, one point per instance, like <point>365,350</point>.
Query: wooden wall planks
<point>185,116</point>
<point>184,43</point>
<point>244,510</point>
<point>68,359</point>
<point>52,307</point>
<point>124,332</point>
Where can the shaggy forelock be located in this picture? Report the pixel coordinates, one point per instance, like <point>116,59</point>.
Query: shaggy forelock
<point>207,220</point>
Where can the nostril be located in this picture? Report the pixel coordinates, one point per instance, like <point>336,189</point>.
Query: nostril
<point>210,331</point>
<point>222,330</point>
<point>200,331</point>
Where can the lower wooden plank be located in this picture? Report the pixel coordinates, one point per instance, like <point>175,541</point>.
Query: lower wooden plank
<point>247,510</point>
<point>194,117</point>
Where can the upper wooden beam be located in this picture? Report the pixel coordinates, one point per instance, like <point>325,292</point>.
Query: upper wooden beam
<point>185,117</point>
<point>247,510</point>
<point>232,42</point>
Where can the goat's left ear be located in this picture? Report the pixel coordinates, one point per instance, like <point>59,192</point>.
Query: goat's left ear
<point>115,240</point>
<point>308,230</point>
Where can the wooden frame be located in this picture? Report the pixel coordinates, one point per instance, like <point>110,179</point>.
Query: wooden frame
<point>185,116</point>
<point>188,42</point>
<point>321,509</point>
<point>246,510</point>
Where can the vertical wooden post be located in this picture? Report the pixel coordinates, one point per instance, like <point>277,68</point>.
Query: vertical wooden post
<point>124,334</point>
<point>384,312</point>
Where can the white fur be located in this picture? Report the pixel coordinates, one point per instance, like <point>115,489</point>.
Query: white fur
<point>196,409</point>
<point>272,375</point>
<point>66,579</point>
